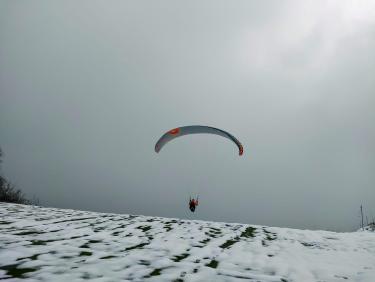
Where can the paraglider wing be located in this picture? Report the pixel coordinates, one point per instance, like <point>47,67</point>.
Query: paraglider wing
<point>195,129</point>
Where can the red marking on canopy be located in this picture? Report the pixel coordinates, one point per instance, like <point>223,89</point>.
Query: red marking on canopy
<point>241,150</point>
<point>174,131</point>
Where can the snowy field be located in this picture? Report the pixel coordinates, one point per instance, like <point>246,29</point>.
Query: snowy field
<point>45,244</point>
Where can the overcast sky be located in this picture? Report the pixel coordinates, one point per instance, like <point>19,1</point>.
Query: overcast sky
<point>87,88</point>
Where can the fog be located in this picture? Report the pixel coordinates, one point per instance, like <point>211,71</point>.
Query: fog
<point>88,87</point>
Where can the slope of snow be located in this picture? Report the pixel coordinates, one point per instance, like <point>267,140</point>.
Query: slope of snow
<point>46,244</point>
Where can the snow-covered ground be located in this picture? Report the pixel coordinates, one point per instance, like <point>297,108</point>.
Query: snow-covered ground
<point>45,244</point>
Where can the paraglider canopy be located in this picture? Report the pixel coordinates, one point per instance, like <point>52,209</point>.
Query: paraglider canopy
<point>194,129</point>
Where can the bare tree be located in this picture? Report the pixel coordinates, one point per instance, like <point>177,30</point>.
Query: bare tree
<point>9,193</point>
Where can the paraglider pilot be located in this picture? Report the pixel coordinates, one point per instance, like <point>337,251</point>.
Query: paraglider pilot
<point>193,204</point>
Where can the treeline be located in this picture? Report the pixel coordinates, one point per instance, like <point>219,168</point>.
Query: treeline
<point>9,193</point>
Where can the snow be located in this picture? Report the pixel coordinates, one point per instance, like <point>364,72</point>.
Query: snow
<point>46,244</point>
